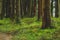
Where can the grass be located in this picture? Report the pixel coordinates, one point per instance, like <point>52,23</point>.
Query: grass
<point>30,29</point>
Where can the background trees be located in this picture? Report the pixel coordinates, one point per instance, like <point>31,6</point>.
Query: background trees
<point>56,9</point>
<point>39,9</point>
<point>46,21</point>
<point>3,9</point>
<point>30,19</point>
<point>52,8</point>
<point>16,9</point>
<point>59,7</point>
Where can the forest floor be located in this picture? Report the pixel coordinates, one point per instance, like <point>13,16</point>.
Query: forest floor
<point>29,29</point>
<point>4,36</point>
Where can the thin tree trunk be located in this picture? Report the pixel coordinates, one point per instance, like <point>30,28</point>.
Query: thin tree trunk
<point>17,11</point>
<point>56,9</point>
<point>30,8</point>
<point>39,9</point>
<point>52,8</point>
<point>34,7</point>
<point>21,8</point>
<point>7,8</point>
<point>3,9</point>
<point>12,9</point>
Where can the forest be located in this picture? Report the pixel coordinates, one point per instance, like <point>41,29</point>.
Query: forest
<point>29,19</point>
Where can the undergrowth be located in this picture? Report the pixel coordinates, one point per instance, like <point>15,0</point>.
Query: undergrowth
<point>30,29</point>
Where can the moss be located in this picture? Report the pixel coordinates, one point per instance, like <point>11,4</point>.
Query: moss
<point>31,31</point>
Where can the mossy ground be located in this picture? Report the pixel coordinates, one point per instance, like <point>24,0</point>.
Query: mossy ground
<point>30,29</point>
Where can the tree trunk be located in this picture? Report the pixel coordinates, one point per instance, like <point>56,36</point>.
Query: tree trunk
<point>21,8</point>
<point>3,9</point>
<point>8,9</point>
<point>34,7</point>
<point>17,11</point>
<point>39,9</point>
<point>52,8</point>
<point>59,7</point>
<point>46,21</point>
<point>12,9</point>
<point>56,9</point>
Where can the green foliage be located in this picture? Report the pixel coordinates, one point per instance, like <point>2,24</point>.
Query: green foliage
<point>30,29</point>
<point>56,22</point>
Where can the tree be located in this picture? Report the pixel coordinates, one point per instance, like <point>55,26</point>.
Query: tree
<point>34,7</point>
<point>52,8</point>
<point>3,9</point>
<point>8,9</point>
<point>30,8</point>
<point>59,7</point>
<point>39,9</point>
<point>46,20</point>
<point>17,11</point>
<point>56,9</point>
<point>21,8</point>
<point>12,10</point>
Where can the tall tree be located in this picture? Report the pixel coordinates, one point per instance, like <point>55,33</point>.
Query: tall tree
<point>39,9</point>
<point>17,11</point>
<point>59,7</point>
<point>8,9</point>
<point>46,21</point>
<point>56,9</point>
<point>3,9</point>
<point>34,9</point>
<point>30,8</point>
<point>52,8</point>
<point>21,8</point>
<point>12,10</point>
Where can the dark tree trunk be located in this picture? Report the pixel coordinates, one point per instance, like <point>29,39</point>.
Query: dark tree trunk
<point>12,9</point>
<point>34,8</point>
<point>46,21</point>
<point>56,9</point>
<point>52,8</point>
<point>39,9</point>
<point>21,8</point>
<point>29,8</point>
<point>17,11</point>
<point>3,9</point>
<point>8,9</point>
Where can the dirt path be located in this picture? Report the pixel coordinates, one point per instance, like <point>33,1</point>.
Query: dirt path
<point>4,36</point>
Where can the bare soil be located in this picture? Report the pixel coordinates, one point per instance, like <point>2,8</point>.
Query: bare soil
<point>4,36</point>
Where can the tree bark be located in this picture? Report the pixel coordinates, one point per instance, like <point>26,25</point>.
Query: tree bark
<point>17,11</point>
<point>34,7</point>
<point>56,9</point>
<point>52,8</point>
<point>12,10</point>
<point>8,9</point>
<point>3,9</point>
<point>39,9</point>
<point>46,21</point>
